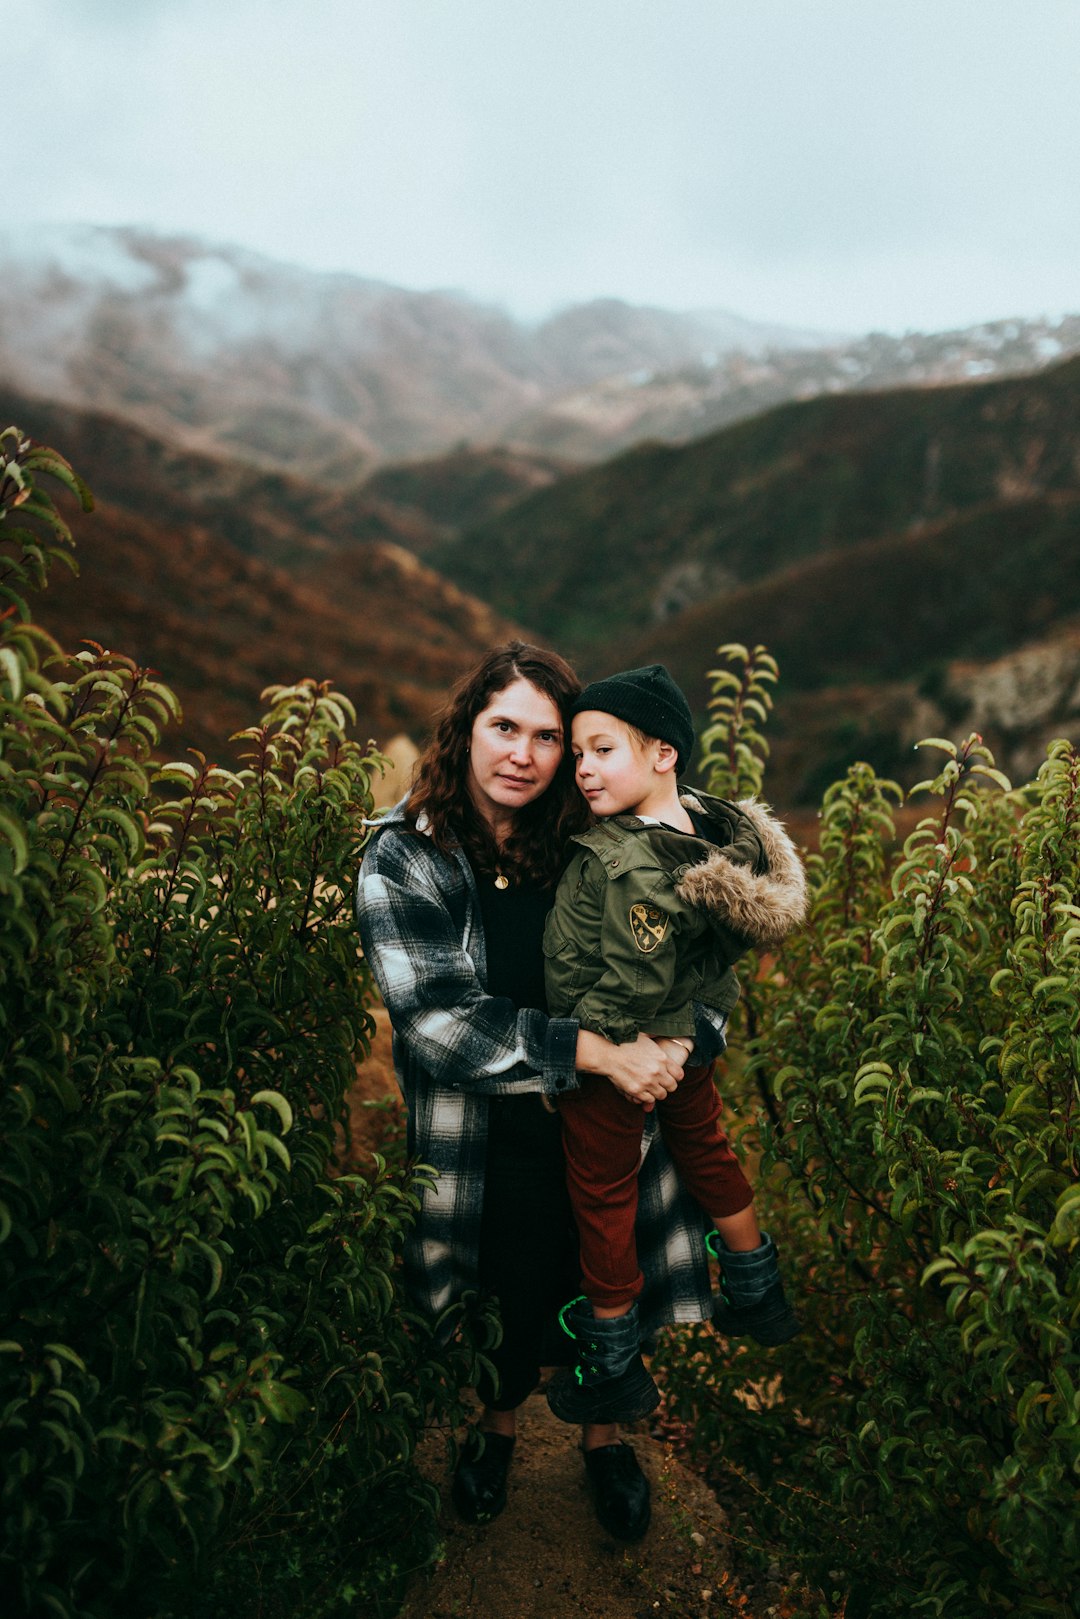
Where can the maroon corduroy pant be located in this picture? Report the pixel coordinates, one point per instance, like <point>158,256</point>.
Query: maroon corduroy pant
<point>602,1141</point>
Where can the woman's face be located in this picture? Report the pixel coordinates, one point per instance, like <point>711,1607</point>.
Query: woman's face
<point>514,751</point>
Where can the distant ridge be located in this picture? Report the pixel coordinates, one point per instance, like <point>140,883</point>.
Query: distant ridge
<point>617,550</point>
<point>330,376</point>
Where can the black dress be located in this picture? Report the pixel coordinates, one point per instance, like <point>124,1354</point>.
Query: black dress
<point>528,1247</point>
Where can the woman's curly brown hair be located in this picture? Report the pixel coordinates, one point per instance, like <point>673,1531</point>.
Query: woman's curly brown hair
<point>536,848</point>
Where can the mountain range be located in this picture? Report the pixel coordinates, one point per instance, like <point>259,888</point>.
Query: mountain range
<point>606,552</point>
<point>328,376</point>
<point>909,553</point>
<point>324,375</point>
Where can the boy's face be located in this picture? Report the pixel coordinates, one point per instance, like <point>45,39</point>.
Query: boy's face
<point>613,769</point>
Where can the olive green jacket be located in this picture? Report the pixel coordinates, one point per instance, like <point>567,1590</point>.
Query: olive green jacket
<point>648,920</point>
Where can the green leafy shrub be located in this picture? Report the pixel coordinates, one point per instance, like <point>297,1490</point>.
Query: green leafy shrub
<point>211,1389</point>
<point>733,745</point>
<point>915,1057</point>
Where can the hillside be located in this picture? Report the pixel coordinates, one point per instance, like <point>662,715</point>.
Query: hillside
<point>441,496</point>
<point>970,624</point>
<point>972,586</point>
<point>616,550</point>
<point>220,626</point>
<point>226,582</point>
<point>901,554</point>
<point>271,515</point>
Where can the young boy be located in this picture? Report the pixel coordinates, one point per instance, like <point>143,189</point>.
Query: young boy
<point>659,899</point>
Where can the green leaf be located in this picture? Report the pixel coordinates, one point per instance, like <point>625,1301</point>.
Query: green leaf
<point>66,1353</point>
<point>283,1403</point>
<point>12,664</point>
<point>13,831</point>
<point>280,1105</point>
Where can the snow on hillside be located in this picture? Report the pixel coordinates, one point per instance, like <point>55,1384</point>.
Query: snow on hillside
<point>328,375</point>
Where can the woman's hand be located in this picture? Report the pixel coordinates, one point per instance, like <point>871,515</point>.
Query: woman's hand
<point>643,1070</point>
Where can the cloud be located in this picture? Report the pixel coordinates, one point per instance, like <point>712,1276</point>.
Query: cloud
<point>699,152</point>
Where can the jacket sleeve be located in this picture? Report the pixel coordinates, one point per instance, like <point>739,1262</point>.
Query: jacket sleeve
<point>457,1032</point>
<point>710,1034</point>
<point>641,923</point>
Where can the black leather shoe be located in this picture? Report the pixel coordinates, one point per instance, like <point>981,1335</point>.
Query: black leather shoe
<point>620,1490</point>
<point>479,1488</point>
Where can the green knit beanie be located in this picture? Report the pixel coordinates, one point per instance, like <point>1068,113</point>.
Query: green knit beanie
<point>649,699</point>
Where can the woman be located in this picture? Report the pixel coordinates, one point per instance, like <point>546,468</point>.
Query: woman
<point>452,897</point>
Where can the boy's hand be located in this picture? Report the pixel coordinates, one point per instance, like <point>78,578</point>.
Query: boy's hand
<point>676,1050</point>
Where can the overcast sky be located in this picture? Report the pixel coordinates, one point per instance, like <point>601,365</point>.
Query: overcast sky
<point>844,164</point>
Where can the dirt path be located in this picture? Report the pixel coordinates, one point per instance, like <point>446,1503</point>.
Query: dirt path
<point>546,1557</point>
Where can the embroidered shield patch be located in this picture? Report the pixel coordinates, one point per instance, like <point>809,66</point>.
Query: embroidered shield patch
<point>649,924</point>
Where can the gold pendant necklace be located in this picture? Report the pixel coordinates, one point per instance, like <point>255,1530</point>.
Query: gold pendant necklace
<point>501,881</point>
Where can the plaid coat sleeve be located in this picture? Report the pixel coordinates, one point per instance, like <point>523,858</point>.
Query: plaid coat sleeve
<point>671,1231</point>
<point>710,1034</point>
<point>426,950</point>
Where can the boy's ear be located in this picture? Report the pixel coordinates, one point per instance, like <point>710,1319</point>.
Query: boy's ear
<point>667,758</point>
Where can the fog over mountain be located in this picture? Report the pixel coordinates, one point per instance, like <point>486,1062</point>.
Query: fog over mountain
<point>331,375</point>
<point>323,374</point>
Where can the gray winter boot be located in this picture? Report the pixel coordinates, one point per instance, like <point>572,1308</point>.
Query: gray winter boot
<point>752,1299</point>
<point>609,1382</point>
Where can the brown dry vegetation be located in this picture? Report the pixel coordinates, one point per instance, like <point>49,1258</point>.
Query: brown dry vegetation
<point>225,581</point>
<point>374,1103</point>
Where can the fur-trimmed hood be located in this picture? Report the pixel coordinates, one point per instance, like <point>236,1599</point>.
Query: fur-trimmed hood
<point>765,900</point>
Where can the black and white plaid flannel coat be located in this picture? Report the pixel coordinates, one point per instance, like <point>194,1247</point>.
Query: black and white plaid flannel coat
<point>455,1045</point>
